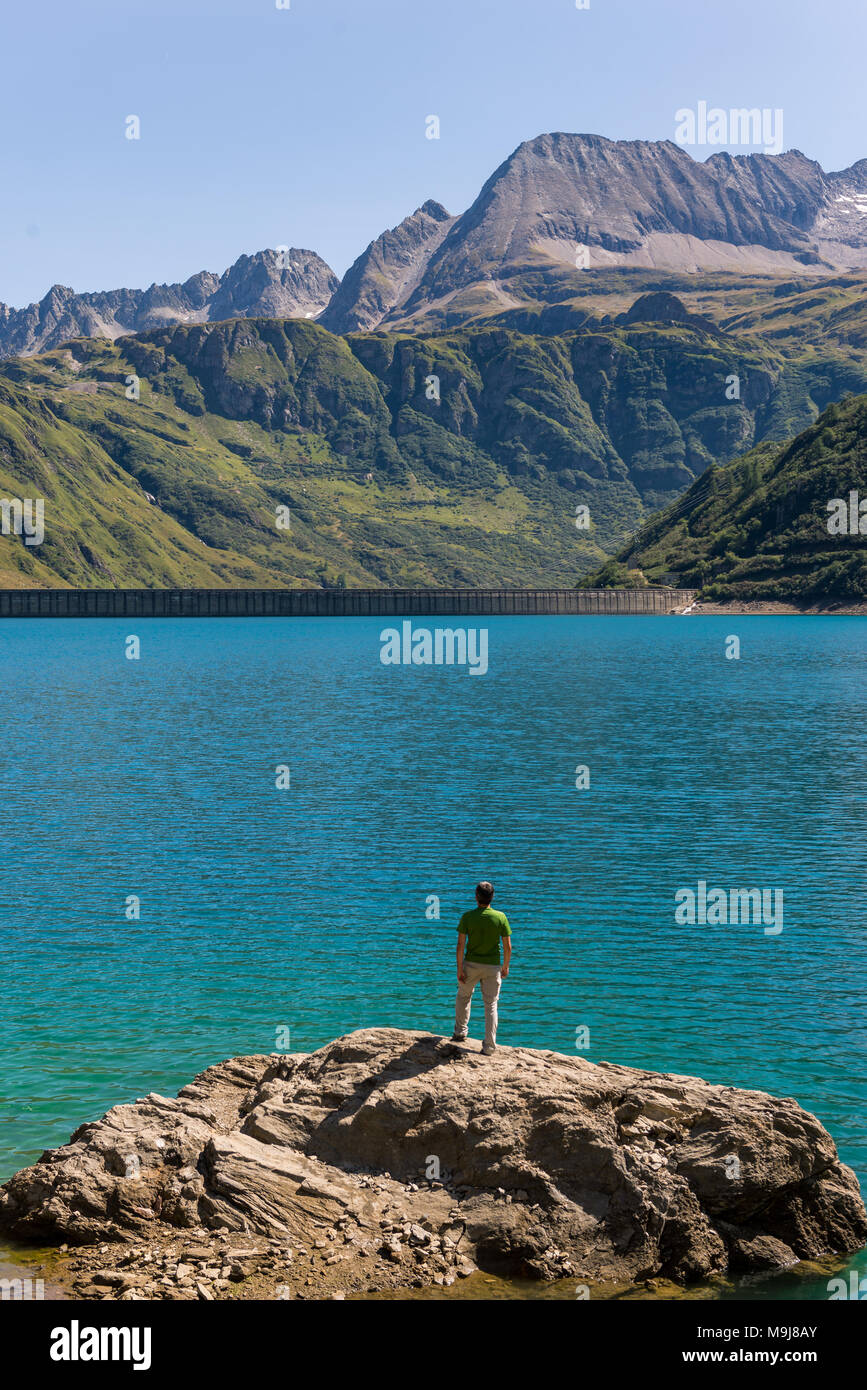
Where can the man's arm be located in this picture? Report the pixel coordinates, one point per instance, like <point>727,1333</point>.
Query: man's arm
<point>507,956</point>
<point>462,941</point>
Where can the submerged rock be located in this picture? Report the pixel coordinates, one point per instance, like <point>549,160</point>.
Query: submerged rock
<point>432,1158</point>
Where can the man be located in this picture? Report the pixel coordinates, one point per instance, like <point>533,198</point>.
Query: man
<point>479,933</point>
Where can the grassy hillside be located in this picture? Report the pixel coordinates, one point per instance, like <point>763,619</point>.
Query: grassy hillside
<point>758,528</point>
<point>551,298</point>
<point>453,458</point>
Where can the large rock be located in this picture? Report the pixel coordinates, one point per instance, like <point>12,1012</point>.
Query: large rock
<point>553,1164</point>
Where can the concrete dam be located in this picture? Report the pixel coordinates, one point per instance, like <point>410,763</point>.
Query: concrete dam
<point>333,603</point>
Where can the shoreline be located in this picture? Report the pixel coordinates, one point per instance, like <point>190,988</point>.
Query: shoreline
<point>268,1276</point>
<point>31,1267</point>
<point>771,608</point>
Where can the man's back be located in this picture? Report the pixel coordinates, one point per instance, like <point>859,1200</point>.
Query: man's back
<point>483,927</point>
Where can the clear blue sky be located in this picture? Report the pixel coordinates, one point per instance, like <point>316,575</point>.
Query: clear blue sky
<point>306,126</point>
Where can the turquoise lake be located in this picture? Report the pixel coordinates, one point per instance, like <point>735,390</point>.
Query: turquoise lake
<point>305,908</point>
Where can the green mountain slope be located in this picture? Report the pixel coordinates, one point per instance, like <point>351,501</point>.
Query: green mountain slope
<point>453,458</point>
<point>759,527</point>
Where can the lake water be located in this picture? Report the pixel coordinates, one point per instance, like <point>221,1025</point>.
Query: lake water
<point>305,908</point>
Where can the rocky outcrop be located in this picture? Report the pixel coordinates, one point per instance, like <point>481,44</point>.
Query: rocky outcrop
<point>285,283</point>
<point>407,1154</point>
<point>662,307</point>
<point>388,271</point>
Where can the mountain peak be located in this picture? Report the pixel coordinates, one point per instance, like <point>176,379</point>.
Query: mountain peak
<point>560,205</point>
<point>290,283</point>
<point>435,210</point>
<point>387,272</point>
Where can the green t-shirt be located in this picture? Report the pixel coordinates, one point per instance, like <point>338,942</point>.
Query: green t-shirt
<point>483,927</point>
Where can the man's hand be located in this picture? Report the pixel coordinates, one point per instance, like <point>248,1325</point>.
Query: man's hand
<point>462,944</point>
<point>504,970</point>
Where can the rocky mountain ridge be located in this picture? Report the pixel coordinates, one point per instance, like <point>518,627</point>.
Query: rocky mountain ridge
<point>388,271</point>
<point>583,203</point>
<point>558,215</point>
<point>282,283</point>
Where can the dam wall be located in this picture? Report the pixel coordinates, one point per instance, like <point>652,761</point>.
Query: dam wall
<point>332,603</point>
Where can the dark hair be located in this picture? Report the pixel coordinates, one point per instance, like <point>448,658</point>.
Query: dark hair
<point>485,891</point>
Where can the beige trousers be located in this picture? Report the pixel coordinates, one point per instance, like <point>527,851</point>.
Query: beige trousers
<point>489,978</point>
